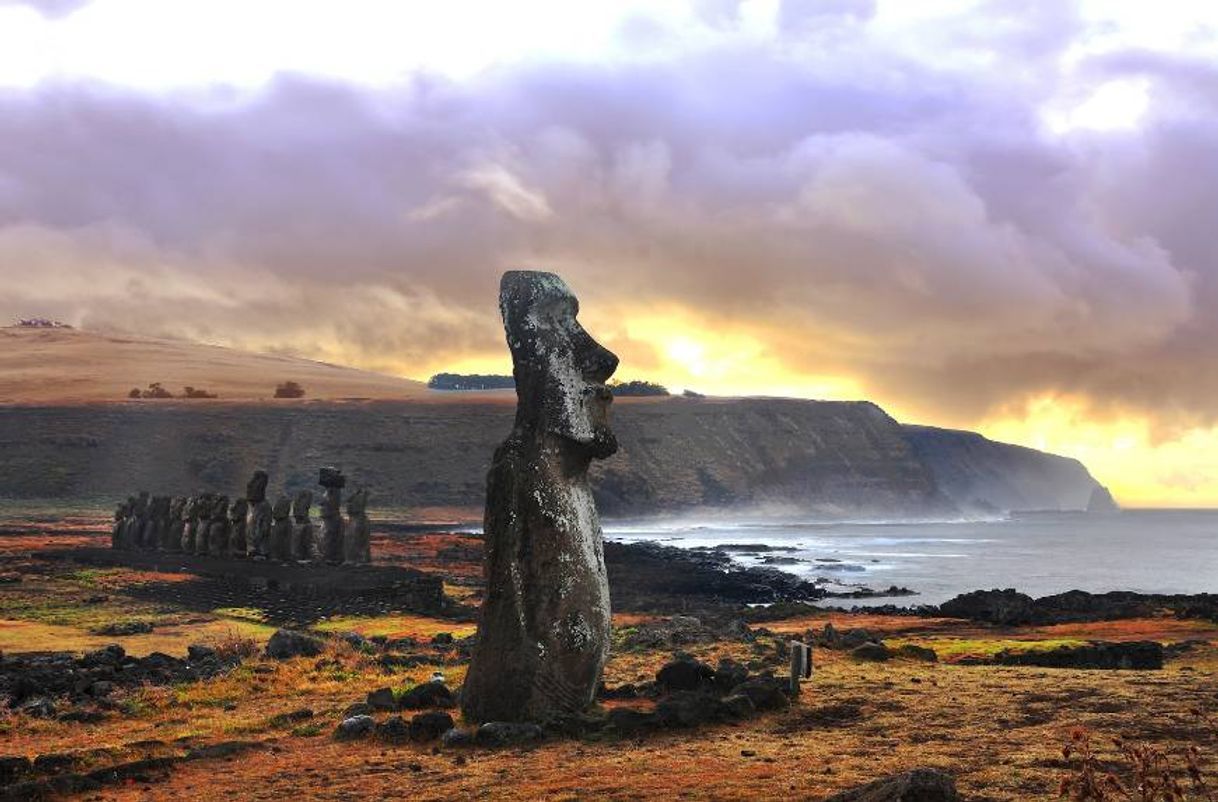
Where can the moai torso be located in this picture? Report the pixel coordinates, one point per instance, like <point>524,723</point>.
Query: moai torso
<point>139,517</point>
<point>331,510</point>
<point>190,523</point>
<point>258,520</point>
<point>173,531</point>
<point>543,632</point>
<point>303,538</point>
<point>281,529</point>
<point>357,547</point>
<point>237,544</point>
<point>217,530</point>
<point>120,523</point>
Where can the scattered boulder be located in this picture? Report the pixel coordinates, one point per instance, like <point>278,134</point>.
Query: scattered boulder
<point>430,725</point>
<point>355,727</point>
<point>196,653</point>
<point>918,785</point>
<point>1006,607</point>
<point>914,652</point>
<point>457,738</point>
<point>286,643</point>
<point>358,709</point>
<point>690,708</point>
<point>507,733</point>
<point>11,768</point>
<point>873,652</point>
<point>628,721</point>
<point>765,692</point>
<point>382,699</point>
<point>739,705</point>
<point>393,729</point>
<point>685,674</point>
<point>427,694</point>
<point>39,708</point>
<point>1140,655</point>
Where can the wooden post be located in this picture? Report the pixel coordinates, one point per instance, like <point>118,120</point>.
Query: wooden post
<point>801,664</point>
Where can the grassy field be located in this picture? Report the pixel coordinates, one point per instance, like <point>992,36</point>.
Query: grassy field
<point>999,730</point>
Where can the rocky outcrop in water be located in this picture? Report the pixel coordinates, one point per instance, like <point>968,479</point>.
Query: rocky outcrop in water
<point>544,625</point>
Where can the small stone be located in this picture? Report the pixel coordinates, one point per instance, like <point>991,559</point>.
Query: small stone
<point>426,694</point>
<point>382,699</point>
<point>430,725</point>
<point>455,737</point>
<point>355,727</point>
<point>286,643</point>
<point>393,729</point>
<point>505,733</point>
<point>873,652</point>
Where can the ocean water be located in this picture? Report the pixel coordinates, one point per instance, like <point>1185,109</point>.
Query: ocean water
<point>1149,551</point>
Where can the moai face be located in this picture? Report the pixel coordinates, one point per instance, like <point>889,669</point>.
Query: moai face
<point>175,508</point>
<point>560,370</point>
<point>219,509</point>
<point>301,505</point>
<point>240,509</point>
<point>255,489</point>
<point>190,510</point>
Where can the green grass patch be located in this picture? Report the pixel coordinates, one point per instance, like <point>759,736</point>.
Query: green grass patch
<point>956,648</point>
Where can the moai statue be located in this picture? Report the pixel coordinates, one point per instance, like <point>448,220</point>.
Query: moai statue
<point>139,517</point>
<point>217,530</point>
<point>150,536</point>
<point>258,520</point>
<point>237,544</point>
<point>190,523</point>
<point>543,631</point>
<point>332,480</point>
<point>173,532</point>
<point>357,542</point>
<point>281,529</point>
<point>120,522</point>
<point>304,546</point>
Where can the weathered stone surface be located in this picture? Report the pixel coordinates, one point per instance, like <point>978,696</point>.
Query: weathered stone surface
<point>258,519</point>
<point>173,529</point>
<point>914,652</point>
<point>430,725</point>
<point>1006,607</point>
<point>685,674</point>
<point>238,544</point>
<point>357,540</point>
<point>544,626</point>
<point>332,527</point>
<point>873,651</point>
<point>281,529</point>
<point>355,727</point>
<point>304,544</point>
<point>427,694</point>
<point>918,785</point>
<point>382,699</point>
<point>190,524</point>
<point>285,643</point>
<point>507,733</point>
<point>218,529</point>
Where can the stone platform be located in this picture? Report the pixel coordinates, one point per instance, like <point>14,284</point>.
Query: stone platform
<point>406,587</point>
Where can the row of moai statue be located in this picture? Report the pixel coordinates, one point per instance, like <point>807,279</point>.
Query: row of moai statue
<point>251,526</point>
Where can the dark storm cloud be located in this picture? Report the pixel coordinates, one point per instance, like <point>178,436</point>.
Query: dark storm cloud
<point>909,223</point>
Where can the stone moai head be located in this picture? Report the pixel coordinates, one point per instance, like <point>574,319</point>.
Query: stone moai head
<point>357,502</point>
<point>301,505</point>
<point>121,511</point>
<point>141,503</point>
<point>175,508</point>
<point>330,477</point>
<point>239,510</point>
<point>560,370</point>
<point>282,508</point>
<point>255,488</point>
<point>219,509</point>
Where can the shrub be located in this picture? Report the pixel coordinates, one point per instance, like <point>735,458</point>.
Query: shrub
<point>155,390</point>
<point>135,393</point>
<point>197,392</point>
<point>289,389</point>
<point>470,381</point>
<point>638,387</point>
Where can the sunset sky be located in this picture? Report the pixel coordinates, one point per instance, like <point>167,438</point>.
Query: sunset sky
<point>990,215</point>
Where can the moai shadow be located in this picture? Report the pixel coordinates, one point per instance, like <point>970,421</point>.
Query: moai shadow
<point>543,632</point>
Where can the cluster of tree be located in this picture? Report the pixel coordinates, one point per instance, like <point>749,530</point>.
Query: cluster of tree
<point>41,323</point>
<point>156,390</point>
<point>289,389</point>
<point>470,381</point>
<point>637,387</point>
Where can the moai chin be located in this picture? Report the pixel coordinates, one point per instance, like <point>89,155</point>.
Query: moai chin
<point>303,538</point>
<point>258,520</point>
<point>357,542</point>
<point>543,631</point>
<point>237,514</point>
<point>281,529</point>
<point>331,508</point>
